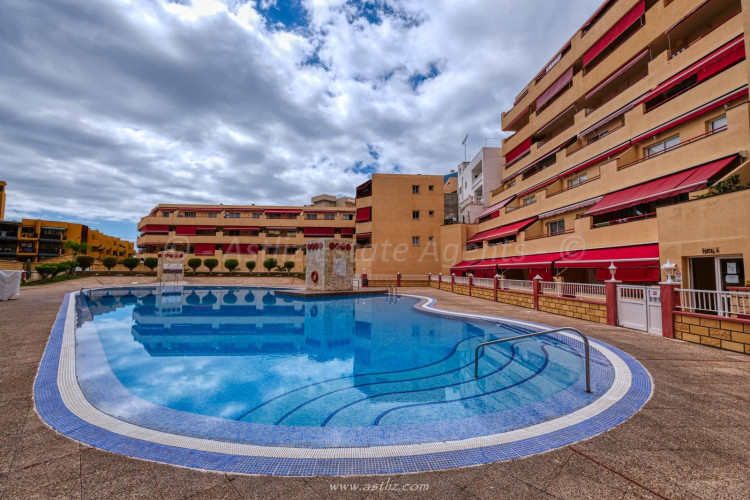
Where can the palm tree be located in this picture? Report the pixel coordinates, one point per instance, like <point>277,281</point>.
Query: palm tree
<point>76,247</point>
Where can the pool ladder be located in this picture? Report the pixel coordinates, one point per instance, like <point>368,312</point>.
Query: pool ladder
<point>536,334</point>
<point>81,294</point>
<point>391,290</point>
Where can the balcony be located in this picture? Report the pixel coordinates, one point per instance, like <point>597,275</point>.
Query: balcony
<point>471,200</point>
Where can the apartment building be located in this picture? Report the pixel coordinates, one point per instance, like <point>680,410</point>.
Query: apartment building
<point>247,232</point>
<point>641,111</point>
<point>35,240</point>
<point>476,180</point>
<point>398,224</point>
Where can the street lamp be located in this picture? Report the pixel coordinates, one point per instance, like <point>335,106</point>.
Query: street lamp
<point>669,268</point>
<point>612,270</point>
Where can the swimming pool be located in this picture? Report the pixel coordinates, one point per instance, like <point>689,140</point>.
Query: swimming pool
<point>249,379</point>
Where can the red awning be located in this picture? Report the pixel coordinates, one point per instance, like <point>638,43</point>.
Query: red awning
<point>502,231</point>
<point>186,230</point>
<point>725,56</point>
<point>464,265</point>
<point>282,211</point>
<point>201,209</point>
<point>364,236</point>
<point>523,261</point>
<point>319,231</point>
<point>346,230</point>
<point>151,228</point>
<point>240,248</point>
<point>496,207</point>
<point>701,110</point>
<point>205,249</point>
<point>594,17</point>
<point>518,152</point>
<point>515,120</point>
<point>630,256</point>
<point>241,228</point>
<point>622,69</point>
<point>364,214</point>
<point>321,211</point>
<point>554,89</point>
<point>205,228</point>
<point>686,181</point>
<point>618,29</point>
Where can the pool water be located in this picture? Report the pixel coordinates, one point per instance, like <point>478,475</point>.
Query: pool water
<point>252,355</point>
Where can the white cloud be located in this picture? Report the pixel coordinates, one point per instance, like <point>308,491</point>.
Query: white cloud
<point>122,105</point>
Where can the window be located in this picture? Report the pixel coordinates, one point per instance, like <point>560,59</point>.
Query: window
<point>415,189</point>
<point>190,214</point>
<point>329,216</point>
<point>273,216</point>
<point>432,213</point>
<point>232,215</point>
<point>529,200</point>
<point>556,226</point>
<point>661,147</point>
<point>415,214</point>
<point>578,180</point>
<point>431,188</point>
<point>415,241</point>
<point>166,213</point>
<point>347,216</point>
<point>256,215</point>
<point>718,124</point>
<point>212,215</point>
<point>311,216</point>
<point>431,239</point>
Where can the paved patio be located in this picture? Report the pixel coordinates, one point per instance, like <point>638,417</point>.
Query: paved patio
<point>689,441</point>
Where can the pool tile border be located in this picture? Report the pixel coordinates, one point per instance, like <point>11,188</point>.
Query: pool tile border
<point>61,404</point>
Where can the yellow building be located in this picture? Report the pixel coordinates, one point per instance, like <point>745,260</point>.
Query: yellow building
<point>643,109</point>
<point>36,240</point>
<point>398,224</point>
<point>246,232</point>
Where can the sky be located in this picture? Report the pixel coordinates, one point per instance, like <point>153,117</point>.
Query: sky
<point>109,107</point>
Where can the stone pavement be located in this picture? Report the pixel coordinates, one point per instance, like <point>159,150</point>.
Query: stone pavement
<point>691,440</point>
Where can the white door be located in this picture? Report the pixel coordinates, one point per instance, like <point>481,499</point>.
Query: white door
<point>654,309</point>
<point>632,308</point>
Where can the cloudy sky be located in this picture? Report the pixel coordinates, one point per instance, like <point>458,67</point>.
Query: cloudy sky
<point>108,107</point>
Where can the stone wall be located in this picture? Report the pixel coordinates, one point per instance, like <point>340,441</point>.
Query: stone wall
<point>574,308</point>
<point>323,257</point>
<point>724,333</point>
<point>10,265</point>
<point>521,299</point>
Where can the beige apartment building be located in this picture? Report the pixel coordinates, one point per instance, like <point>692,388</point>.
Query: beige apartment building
<point>644,109</point>
<point>398,224</point>
<point>246,232</point>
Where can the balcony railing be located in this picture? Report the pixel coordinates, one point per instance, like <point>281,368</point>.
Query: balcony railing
<point>624,220</point>
<point>576,290</point>
<point>717,303</point>
<point>472,200</point>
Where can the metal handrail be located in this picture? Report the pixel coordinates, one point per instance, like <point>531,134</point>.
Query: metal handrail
<point>80,292</point>
<point>535,334</point>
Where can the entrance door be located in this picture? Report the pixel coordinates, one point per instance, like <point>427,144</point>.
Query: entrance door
<point>732,272</point>
<point>703,273</point>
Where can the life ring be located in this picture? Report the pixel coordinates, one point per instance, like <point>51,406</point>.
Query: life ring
<point>314,276</point>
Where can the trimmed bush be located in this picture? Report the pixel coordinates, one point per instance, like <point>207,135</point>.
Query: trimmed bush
<point>194,263</point>
<point>151,262</point>
<point>211,264</point>
<point>270,263</point>
<point>288,266</point>
<point>84,261</point>
<point>231,264</point>
<point>130,263</point>
<point>250,265</point>
<point>109,263</point>
<point>44,270</point>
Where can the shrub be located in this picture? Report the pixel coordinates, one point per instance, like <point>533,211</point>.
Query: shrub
<point>84,261</point>
<point>250,265</point>
<point>288,265</point>
<point>194,264</point>
<point>729,185</point>
<point>76,247</point>
<point>44,270</point>
<point>151,262</point>
<point>231,264</point>
<point>269,264</point>
<point>109,263</point>
<point>130,263</point>
<point>211,264</point>
<point>66,267</point>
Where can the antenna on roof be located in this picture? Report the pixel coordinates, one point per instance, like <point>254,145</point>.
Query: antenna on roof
<point>464,143</point>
